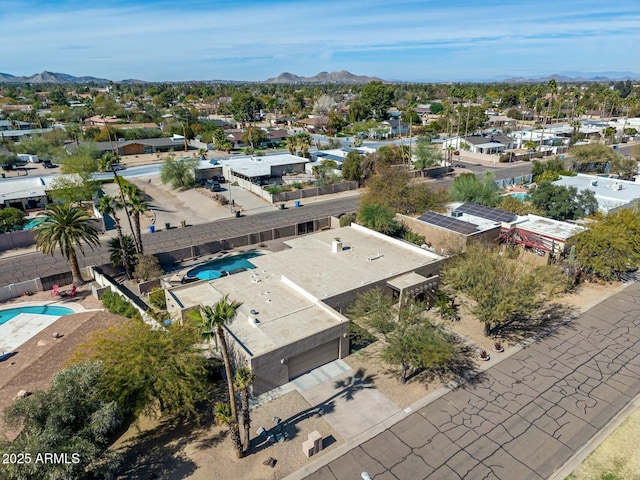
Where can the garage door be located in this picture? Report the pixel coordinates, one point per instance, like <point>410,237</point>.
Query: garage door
<point>316,357</point>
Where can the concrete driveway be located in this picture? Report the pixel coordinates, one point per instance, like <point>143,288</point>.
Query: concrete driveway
<point>351,403</point>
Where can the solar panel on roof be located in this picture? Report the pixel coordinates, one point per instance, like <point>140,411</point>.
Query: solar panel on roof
<point>488,213</point>
<point>449,223</point>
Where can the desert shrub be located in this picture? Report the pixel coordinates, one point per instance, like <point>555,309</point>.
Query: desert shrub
<point>157,298</point>
<point>118,305</point>
<point>148,268</point>
<point>347,219</point>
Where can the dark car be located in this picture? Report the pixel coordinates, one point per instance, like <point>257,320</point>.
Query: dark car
<point>219,178</point>
<point>213,185</point>
<point>48,164</point>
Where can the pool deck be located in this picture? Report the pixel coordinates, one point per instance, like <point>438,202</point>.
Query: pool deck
<point>23,326</point>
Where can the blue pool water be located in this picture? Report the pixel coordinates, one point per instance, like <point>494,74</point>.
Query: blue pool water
<point>33,223</point>
<point>217,268</point>
<point>9,313</point>
<point>522,196</point>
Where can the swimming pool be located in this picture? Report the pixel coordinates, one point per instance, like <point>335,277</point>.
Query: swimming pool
<point>522,196</point>
<point>222,266</point>
<point>33,223</point>
<point>9,313</point>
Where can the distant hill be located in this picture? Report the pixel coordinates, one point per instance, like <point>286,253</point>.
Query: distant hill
<point>324,77</point>
<point>51,77</point>
<point>568,77</point>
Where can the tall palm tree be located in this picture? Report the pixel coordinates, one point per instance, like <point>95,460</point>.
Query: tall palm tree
<point>244,379</point>
<point>66,227</point>
<point>212,321</point>
<point>136,206</point>
<point>470,95</point>
<point>109,159</point>
<point>108,205</point>
<point>553,89</point>
<point>223,416</point>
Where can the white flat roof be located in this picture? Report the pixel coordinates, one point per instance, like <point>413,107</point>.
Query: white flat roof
<point>13,189</point>
<point>260,166</point>
<point>367,257</point>
<point>285,288</point>
<point>548,227</point>
<point>608,196</point>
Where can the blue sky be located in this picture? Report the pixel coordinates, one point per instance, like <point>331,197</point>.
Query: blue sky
<point>420,40</point>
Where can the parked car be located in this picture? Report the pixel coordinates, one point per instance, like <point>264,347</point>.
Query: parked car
<point>219,178</point>
<point>115,168</point>
<point>48,164</point>
<point>213,185</point>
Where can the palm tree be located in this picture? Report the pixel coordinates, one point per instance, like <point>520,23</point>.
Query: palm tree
<point>223,416</point>
<point>116,256</point>
<point>244,379</point>
<point>66,227</point>
<point>136,206</point>
<point>213,319</point>
<point>553,89</point>
<point>108,160</point>
<point>108,205</point>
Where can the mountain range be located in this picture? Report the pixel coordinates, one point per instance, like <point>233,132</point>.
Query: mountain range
<point>51,77</point>
<point>342,77</point>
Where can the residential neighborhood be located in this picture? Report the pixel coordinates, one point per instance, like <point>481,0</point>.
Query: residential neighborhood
<point>427,269</point>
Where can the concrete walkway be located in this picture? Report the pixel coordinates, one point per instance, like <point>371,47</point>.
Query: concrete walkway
<point>525,418</point>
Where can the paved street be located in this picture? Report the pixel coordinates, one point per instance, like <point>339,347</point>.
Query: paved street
<point>527,417</point>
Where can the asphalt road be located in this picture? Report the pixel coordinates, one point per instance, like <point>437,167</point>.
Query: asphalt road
<point>31,265</point>
<point>525,419</point>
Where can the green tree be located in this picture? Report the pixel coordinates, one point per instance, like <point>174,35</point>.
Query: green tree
<point>211,322</point>
<point>108,206</point>
<point>377,97</point>
<point>421,346</point>
<point>128,259</point>
<point>136,205</point>
<point>147,268</point>
<point>390,187</point>
<point>610,246</point>
<point>146,368</point>
<point>563,203</point>
<point>70,417</point>
<point>378,217</point>
<point>243,381</point>
<point>592,157</point>
<point>12,219</point>
<point>625,168</point>
<point>352,166</point>
<point>66,228</point>
<point>223,416</point>
<point>375,309</point>
<point>501,289</point>
<point>178,173</point>
<point>245,107</point>
<point>467,188</point>
<point>254,136</point>
<point>426,154</point>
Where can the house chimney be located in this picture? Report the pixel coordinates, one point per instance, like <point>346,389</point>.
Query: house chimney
<point>336,245</point>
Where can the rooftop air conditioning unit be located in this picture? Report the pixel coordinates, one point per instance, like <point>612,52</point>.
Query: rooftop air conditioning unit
<point>456,214</point>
